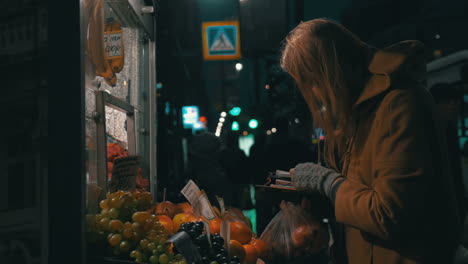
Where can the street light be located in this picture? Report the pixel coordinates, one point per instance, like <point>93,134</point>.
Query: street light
<point>253,123</point>
<point>235,111</point>
<point>235,126</point>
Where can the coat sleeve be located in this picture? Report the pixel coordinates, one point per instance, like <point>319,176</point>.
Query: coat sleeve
<point>391,205</point>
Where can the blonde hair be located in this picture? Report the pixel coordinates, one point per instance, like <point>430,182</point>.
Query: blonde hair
<point>322,56</point>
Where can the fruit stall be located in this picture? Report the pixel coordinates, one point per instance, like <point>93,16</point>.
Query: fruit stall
<point>124,223</point>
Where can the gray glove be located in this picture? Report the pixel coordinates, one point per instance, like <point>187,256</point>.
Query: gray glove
<point>315,178</point>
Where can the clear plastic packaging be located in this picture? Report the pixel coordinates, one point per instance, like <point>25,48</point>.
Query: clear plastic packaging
<point>294,236</point>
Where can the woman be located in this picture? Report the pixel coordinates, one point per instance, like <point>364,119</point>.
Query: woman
<point>387,172</point>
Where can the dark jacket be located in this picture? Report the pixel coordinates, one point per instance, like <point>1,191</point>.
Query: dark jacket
<point>397,204</point>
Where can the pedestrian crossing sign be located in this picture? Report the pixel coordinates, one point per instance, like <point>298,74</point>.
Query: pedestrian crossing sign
<point>221,40</point>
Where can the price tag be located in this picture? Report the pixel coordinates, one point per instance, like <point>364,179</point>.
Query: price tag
<point>203,206</point>
<point>191,192</point>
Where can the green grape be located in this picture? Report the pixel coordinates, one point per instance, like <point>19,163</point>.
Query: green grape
<point>142,257</point>
<point>153,259</point>
<point>164,259</point>
<point>124,246</point>
<point>178,257</point>
<point>133,254</point>
<point>139,255</point>
<point>113,213</point>
<point>151,246</point>
<point>214,262</point>
<point>160,248</point>
<point>115,240</point>
<point>155,252</point>
<point>136,227</point>
<point>139,260</point>
<point>104,223</point>
<point>183,261</point>
<point>162,240</point>
<point>116,251</point>
<point>144,243</point>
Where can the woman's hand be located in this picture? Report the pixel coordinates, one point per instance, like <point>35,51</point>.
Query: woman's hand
<point>314,178</point>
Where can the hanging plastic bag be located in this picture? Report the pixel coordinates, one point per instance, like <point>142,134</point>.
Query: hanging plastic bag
<point>293,235</point>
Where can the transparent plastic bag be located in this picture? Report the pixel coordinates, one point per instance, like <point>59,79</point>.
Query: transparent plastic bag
<point>293,236</point>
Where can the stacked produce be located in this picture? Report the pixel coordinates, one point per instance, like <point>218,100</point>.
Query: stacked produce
<point>114,151</point>
<point>243,247</point>
<point>131,227</point>
<point>126,228</point>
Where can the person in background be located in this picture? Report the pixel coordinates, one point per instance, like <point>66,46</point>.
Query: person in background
<point>386,171</point>
<point>234,162</point>
<point>257,160</point>
<point>204,167</point>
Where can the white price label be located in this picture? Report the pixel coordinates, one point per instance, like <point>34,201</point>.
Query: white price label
<point>191,192</point>
<point>206,210</point>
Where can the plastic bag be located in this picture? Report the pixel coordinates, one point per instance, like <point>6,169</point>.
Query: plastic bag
<point>293,236</point>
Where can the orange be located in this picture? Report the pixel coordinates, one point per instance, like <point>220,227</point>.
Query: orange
<point>170,249</point>
<point>215,226</point>
<point>167,223</point>
<point>251,254</point>
<point>166,208</point>
<point>311,236</point>
<point>184,208</point>
<point>240,232</point>
<point>260,246</point>
<point>182,218</point>
<point>236,249</point>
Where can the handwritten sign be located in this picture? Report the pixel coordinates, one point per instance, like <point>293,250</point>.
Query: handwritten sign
<point>113,44</point>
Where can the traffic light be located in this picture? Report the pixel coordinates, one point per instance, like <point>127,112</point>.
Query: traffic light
<point>235,126</point>
<point>235,111</point>
<point>253,123</point>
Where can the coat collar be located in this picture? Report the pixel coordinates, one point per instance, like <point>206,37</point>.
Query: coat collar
<point>404,58</point>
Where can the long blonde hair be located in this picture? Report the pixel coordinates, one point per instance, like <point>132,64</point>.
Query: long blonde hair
<point>325,59</point>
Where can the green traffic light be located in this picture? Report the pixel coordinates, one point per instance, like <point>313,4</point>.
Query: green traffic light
<point>235,126</point>
<point>253,123</point>
<point>235,111</point>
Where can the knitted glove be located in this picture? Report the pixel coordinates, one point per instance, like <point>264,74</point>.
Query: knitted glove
<point>315,178</point>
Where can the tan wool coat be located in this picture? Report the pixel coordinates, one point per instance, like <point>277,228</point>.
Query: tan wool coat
<point>397,205</point>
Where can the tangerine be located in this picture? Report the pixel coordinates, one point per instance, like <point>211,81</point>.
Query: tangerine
<point>167,223</point>
<point>215,226</point>
<point>166,208</point>
<point>184,208</point>
<point>240,232</point>
<point>251,254</point>
<point>182,218</point>
<point>260,246</point>
<point>236,249</point>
